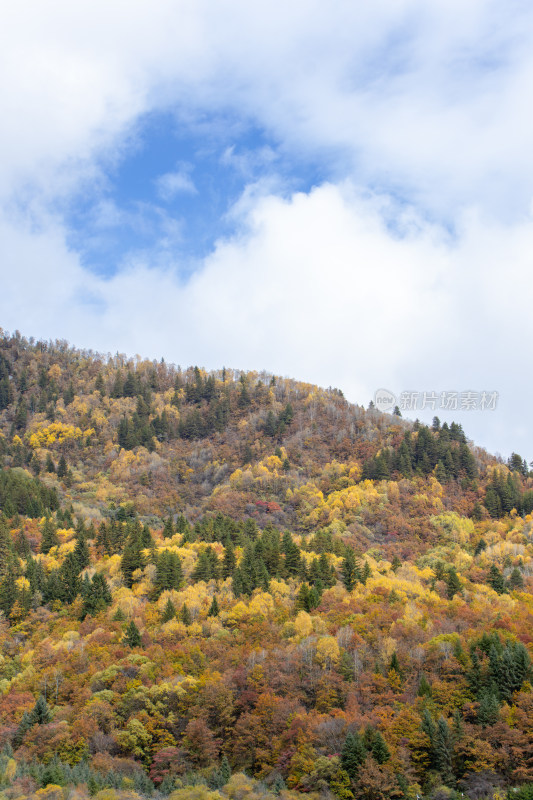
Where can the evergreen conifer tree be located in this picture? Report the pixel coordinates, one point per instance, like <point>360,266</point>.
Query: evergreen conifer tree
<point>350,570</point>
<point>489,708</point>
<point>353,754</point>
<point>62,467</point>
<point>132,635</point>
<point>496,580</point>
<point>453,584</point>
<point>25,724</point>
<point>516,581</point>
<point>81,552</point>
<point>225,770</point>
<point>379,748</point>
<point>40,714</point>
<point>213,608</point>
<point>229,561</point>
<point>443,751</point>
<point>49,535</point>
<point>169,612</point>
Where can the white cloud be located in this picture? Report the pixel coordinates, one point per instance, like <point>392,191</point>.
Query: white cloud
<point>424,96</point>
<point>428,101</point>
<point>316,287</point>
<point>172,183</point>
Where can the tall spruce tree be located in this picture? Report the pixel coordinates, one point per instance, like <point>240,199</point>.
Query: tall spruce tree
<point>49,536</point>
<point>132,635</point>
<point>350,570</point>
<point>353,754</point>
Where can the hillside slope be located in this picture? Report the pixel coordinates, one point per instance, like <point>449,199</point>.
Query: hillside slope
<point>207,573</point>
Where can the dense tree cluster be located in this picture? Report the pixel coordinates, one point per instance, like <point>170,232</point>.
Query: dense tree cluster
<point>442,450</point>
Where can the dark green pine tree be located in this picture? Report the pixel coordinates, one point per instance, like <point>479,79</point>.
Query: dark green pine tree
<point>510,495</point>
<point>430,729</point>
<point>6,547</point>
<point>182,526</point>
<point>146,537</point>
<point>96,595</point>
<point>169,612</point>
<point>229,561</point>
<point>489,708</point>
<point>480,546</point>
<point>168,529</point>
<point>516,581</point>
<point>6,393</point>
<point>326,572</point>
<point>25,724</point>
<point>303,599</point>
<point>292,559</point>
<point>395,664</point>
<point>132,635</point>
<point>8,589</point>
<point>53,589</point>
<point>350,570</point>
<point>453,584</point>
<point>169,573</point>
<point>353,754</point>
<point>40,714</point>
<point>225,770</point>
<point>69,575</point>
<point>49,537</point>
<point>49,466</point>
<point>262,580</point>
<point>237,583</point>
<point>54,773</point>
<point>441,473</point>
<point>366,572</point>
<point>81,552</point>
<point>443,750</point>
<point>35,574</point>
<point>378,747</point>
<point>62,467</point>
<point>404,459</point>
<point>117,389</point>
<point>270,425</point>
<point>467,461</point>
<point>396,564</point>
<point>509,668</point>
<point>132,557</point>
<point>213,608</point>
<point>250,529</point>
<point>424,688</point>
<point>496,580</point>
<point>207,566</point>
<point>493,503</point>
<point>185,615</point>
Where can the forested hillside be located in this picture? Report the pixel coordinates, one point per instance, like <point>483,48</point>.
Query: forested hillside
<point>234,585</point>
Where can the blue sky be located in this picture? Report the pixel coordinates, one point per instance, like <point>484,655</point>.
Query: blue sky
<point>339,192</point>
<point>175,185</point>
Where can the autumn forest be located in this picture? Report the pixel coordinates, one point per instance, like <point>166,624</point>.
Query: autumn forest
<point>224,585</point>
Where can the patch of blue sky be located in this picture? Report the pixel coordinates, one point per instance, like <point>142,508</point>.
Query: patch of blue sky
<point>172,188</point>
